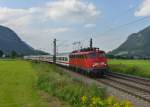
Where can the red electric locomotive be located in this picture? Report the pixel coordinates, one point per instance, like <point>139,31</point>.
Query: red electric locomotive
<point>90,60</point>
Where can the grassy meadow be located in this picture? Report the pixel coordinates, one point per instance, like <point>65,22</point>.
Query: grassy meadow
<point>18,84</point>
<point>36,84</point>
<point>133,67</point>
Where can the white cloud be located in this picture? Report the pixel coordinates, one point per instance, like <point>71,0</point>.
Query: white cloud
<point>70,9</point>
<point>90,25</point>
<point>34,24</point>
<point>144,9</point>
<point>58,30</point>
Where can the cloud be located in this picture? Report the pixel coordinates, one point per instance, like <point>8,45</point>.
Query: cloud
<point>37,24</point>
<point>71,9</point>
<point>144,9</point>
<point>90,25</point>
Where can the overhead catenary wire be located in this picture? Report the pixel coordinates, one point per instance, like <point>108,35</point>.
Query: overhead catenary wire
<point>121,26</point>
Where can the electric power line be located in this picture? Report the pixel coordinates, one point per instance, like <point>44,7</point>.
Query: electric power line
<point>120,26</point>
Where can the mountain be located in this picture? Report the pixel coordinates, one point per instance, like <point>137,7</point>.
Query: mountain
<point>136,45</point>
<point>9,41</point>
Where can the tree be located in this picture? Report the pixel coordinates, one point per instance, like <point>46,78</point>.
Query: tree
<point>14,54</point>
<point>1,53</point>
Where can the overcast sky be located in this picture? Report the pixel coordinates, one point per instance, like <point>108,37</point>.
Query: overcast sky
<point>108,22</point>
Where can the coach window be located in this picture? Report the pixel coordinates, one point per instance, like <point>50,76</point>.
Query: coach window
<point>66,59</point>
<point>82,56</point>
<point>78,56</point>
<point>85,56</point>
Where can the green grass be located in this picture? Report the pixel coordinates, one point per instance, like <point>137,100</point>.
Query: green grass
<point>18,84</point>
<point>133,67</point>
<point>21,82</point>
<point>61,85</point>
<point>69,89</point>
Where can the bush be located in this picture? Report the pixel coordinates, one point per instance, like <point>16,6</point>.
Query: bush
<point>109,102</point>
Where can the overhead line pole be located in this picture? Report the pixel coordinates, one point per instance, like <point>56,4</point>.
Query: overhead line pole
<point>91,43</point>
<point>54,55</point>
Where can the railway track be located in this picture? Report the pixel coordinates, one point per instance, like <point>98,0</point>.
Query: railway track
<point>135,79</point>
<point>135,86</point>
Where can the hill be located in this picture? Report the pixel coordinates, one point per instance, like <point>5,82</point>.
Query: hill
<point>136,45</point>
<point>9,41</point>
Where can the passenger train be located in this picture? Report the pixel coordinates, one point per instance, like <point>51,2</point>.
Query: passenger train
<point>91,61</point>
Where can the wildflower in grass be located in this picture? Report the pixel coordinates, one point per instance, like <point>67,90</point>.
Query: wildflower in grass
<point>128,104</point>
<point>110,100</point>
<point>84,99</point>
<point>116,105</point>
<point>96,101</point>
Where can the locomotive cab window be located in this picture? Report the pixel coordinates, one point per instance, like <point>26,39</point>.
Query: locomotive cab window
<point>102,54</point>
<point>92,55</point>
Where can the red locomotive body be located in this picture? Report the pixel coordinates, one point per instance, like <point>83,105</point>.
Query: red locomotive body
<point>91,60</point>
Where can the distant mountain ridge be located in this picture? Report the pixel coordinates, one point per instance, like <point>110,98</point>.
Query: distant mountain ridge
<point>9,41</point>
<point>136,45</point>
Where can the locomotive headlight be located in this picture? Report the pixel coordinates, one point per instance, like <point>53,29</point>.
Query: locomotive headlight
<point>102,63</point>
<point>95,64</point>
<point>99,64</point>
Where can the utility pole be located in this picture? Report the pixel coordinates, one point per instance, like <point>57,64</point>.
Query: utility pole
<point>54,56</point>
<point>91,43</point>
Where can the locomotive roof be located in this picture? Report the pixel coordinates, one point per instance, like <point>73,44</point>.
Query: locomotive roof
<point>86,51</point>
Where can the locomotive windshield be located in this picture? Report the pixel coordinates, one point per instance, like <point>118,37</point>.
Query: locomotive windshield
<point>96,55</point>
<point>102,54</point>
<point>92,55</point>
